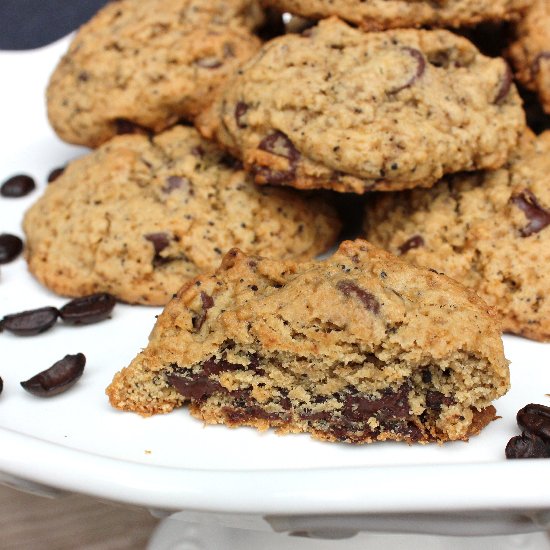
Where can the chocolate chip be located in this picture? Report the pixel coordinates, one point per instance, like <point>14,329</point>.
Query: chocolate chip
<point>527,445</point>
<point>213,367</point>
<point>30,322</point>
<point>349,288</point>
<point>505,84</point>
<point>10,247</point>
<point>426,376</point>
<point>58,378</point>
<point>435,399</point>
<point>538,216</point>
<point>159,240</point>
<point>420,68</point>
<point>280,145</point>
<point>17,186</point>
<point>197,387</point>
<point>240,110</point>
<point>175,182</point>
<point>414,242</point>
<point>88,309</point>
<point>392,405</point>
<point>535,419</point>
<point>211,62</point>
<point>55,173</point>
<point>124,126</point>
<point>1,385</point>
<point>207,303</point>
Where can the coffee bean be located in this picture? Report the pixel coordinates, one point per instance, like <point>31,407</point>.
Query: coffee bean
<point>31,322</point>
<point>88,309</point>
<point>10,247</point>
<point>1,385</point>
<point>527,445</point>
<point>58,378</point>
<point>17,186</point>
<point>536,420</point>
<point>55,173</point>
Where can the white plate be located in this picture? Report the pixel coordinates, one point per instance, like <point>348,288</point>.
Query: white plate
<point>77,442</point>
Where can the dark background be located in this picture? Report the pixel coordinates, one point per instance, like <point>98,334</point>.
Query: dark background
<point>26,24</point>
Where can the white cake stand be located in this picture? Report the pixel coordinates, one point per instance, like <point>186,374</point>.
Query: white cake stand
<point>221,488</point>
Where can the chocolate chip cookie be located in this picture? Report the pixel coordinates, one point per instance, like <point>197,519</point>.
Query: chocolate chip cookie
<point>389,14</point>
<point>139,217</point>
<point>357,348</point>
<point>530,53</point>
<point>489,231</point>
<point>353,111</point>
<point>140,66</point>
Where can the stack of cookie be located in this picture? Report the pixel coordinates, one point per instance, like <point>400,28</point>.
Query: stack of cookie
<point>376,100</point>
<point>150,209</point>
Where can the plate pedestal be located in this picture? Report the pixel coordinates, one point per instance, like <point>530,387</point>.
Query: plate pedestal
<point>175,534</point>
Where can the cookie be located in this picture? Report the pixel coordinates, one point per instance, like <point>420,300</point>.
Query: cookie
<point>488,231</point>
<point>140,66</point>
<point>353,111</point>
<point>530,53</point>
<point>138,217</point>
<point>356,348</point>
<point>389,14</point>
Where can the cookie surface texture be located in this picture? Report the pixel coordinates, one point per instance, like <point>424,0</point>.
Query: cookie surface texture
<point>530,53</point>
<point>387,14</point>
<point>354,111</point>
<point>139,217</point>
<point>488,231</point>
<point>142,65</point>
<point>356,348</point>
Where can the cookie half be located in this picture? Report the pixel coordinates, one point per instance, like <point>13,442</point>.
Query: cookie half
<point>142,65</point>
<point>530,53</point>
<point>490,231</point>
<point>357,348</point>
<point>353,111</point>
<point>139,217</point>
<point>389,14</point>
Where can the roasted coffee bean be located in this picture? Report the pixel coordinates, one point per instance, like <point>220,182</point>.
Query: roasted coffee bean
<point>58,378</point>
<point>10,247</point>
<point>17,186</point>
<point>535,419</point>
<point>31,322</point>
<point>88,309</point>
<point>55,173</point>
<point>527,445</point>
